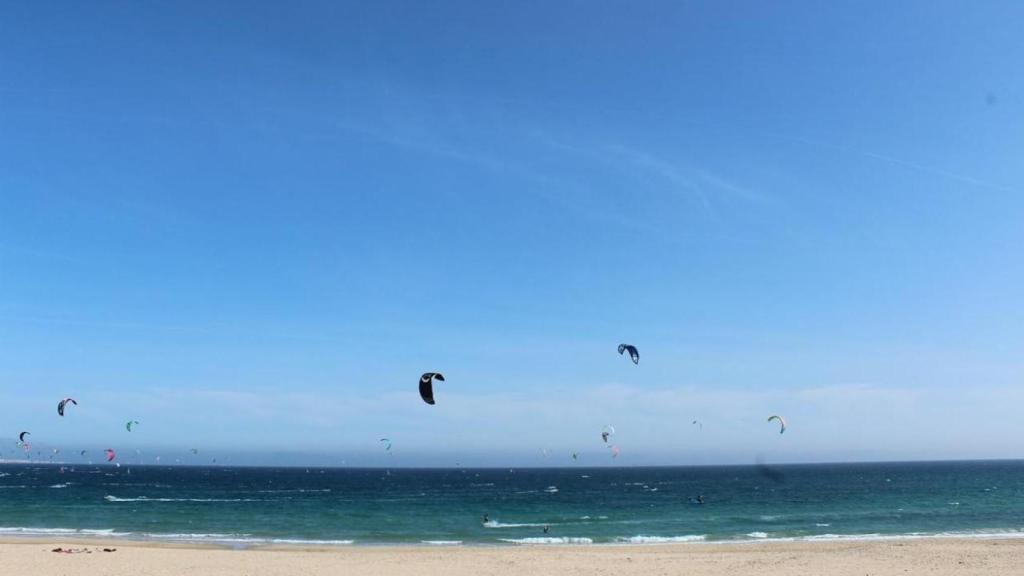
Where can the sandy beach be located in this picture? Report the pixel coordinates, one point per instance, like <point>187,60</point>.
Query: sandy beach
<point>933,556</point>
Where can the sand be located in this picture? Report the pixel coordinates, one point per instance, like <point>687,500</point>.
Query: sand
<point>932,556</point>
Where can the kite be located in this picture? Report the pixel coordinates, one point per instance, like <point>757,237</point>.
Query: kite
<point>63,403</point>
<point>427,385</point>
<point>634,355</point>
<point>782,422</point>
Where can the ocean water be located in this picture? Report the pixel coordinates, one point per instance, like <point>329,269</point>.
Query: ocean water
<point>253,506</point>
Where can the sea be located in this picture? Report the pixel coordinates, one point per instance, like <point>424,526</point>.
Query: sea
<point>245,507</point>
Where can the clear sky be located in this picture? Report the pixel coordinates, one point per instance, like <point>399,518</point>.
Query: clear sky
<point>251,226</point>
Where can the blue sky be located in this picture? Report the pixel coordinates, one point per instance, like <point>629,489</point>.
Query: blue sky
<point>251,227</point>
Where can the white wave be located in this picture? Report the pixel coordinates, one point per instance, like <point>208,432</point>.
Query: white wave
<point>28,531</point>
<point>551,489</point>
<point>293,541</point>
<point>662,539</point>
<point>565,540</point>
<point>757,534</point>
<point>110,498</point>
<point>442,542</point>
<point>768,518</point>
<point>496,524</point>
<point>59,486</point>
<point>982,535</point>
<point>822,524</point>
<point>244,539</point>
<point>872,537</point>
<point>173,536</point>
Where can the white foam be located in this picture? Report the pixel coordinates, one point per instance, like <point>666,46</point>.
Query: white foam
<point>442,542</point>
<point>994,535</point>
<point>496,524</point>
<point>662,539</point>
<point>244,539</point>
<point>110,498</point>
<point>551,489</point>
<point>195,536</point>
<point>565,540</point>
<point>28,531</point>
<point>307,542</point>
<point>873,537</point>
<point>758,534</point>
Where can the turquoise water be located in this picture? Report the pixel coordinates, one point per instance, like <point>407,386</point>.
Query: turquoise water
<point>251,506</point>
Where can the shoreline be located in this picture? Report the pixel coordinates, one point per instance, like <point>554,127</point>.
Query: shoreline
<point>314,547</point>
<point>938,556</point>
<point>641,542</point>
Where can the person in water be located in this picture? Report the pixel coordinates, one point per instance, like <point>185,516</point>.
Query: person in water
<point>486,519</point>
<point>547,529</point>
